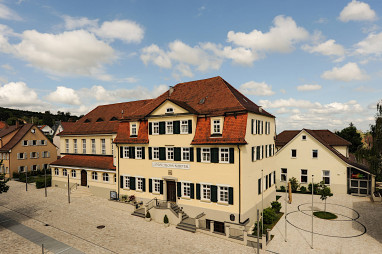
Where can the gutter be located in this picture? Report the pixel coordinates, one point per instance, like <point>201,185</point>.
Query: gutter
<point>238,147</point>
<point>119,179</point>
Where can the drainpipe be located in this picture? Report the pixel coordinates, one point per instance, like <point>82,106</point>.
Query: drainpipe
<point>119,179</point>
<point>238,147</point>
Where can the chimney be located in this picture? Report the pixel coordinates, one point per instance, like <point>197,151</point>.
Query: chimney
<point>170,91</point>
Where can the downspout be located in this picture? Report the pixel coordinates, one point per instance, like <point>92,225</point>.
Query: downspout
<point>119,179</point>
<point>238,147</point>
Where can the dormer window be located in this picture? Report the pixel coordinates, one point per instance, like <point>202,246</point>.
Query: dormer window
<point>216,127</point>
<point>87,121</point>
<point>99,120</point>
<point>170,111</point>
<point>113,118</point>
<point>133,130</point>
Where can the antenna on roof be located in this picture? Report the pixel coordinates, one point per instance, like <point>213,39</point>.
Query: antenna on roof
<point>122,114</point>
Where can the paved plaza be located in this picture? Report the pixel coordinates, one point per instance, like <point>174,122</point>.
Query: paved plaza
<point>72,228</point>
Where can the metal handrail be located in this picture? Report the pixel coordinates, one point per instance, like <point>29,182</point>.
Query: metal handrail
<point>74,185</point>
<point>150,204</point>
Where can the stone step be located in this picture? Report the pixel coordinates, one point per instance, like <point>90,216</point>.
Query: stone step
<point>186,227</point>
<point>138,214</point>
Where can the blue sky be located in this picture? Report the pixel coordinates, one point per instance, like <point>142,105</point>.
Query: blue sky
<point>313,64</point>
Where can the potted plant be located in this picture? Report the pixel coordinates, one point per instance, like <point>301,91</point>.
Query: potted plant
<point>148,216</point>
<point>165,221</point>
<point>124,198</point>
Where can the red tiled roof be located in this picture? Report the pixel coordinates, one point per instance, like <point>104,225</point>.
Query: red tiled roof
<point>2,124</point>
<point>86,161</point>
<point>101,119</point>
<point>234,128</point>
<point>213,96</point>
<point>123,135</point>
<point>21,131</point>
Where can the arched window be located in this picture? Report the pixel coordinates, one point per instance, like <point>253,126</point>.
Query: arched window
<point>56,172</point>
<point>74,173</point>
<point>65,172</point>
<point>95,176</point>
<point>105,177</point>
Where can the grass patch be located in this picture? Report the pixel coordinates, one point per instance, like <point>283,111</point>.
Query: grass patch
<point>325,215</point>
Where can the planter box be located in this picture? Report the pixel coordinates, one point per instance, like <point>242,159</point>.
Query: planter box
<point>166,225</point>
<point>148,219</point>
<point>376,198</point>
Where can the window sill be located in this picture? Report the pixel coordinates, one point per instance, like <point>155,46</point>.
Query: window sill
<point>216,135</point>
<point>205,200</point>
<point>223,203</point>
<point>186,198</point>
<point>156,193</point>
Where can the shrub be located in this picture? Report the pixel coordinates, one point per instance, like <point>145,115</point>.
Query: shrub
<point>124,197</point>
<point>303,189</point>
<point>282,188</point>
<point>315,188</point>
<point>148,215</point>
<point>40,183</point>
<point>276,206</point>
<point>269,215</point>
<point>165,219</point>
<point>294,184</point>
<point>261,229</point>
<point>16,175</point>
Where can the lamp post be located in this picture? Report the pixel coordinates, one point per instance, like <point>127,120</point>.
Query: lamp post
<point>262,202</point>
<point>26,179</point>
<point>312,208</point>
<point>258,233</point>
<point>286,205</point>
<point>46,193</point>
<point>68,187</point>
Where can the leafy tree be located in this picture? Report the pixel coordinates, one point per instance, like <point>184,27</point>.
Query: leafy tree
<point>324,191</point>
<point>294,184</point>
<point>350,134</point>
<point>3,182</point>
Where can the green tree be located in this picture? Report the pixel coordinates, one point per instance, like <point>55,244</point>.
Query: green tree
<point>325,192</point>
<point>350,134</point>
<point>294,184</point>
<point>3,182</point>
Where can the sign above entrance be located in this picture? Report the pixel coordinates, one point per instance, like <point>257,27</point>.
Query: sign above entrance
<point>170,165</point>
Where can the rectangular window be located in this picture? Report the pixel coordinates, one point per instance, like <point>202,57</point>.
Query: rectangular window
<point>304,175</point>
<point>283,176</point>
<point>84,146</point>
<point>184,127</point>
<point>94,146</point>
<point>125,152</point>
<point>185,154</point>
<point>216,126</point>
<point>67,145</point>
<point>224,155</point>
<point>206,192</point>
<point>126,182</point>
<point>34,155</point>
<point>45,166</point>
<point>206,155</point>
<point>294,153</point>
<point>103,146</point>
<point>223,194</point>
<point>133,129</point>
<point>45,154</point>
<point>155,153</point>
<point>74,174</point>
<point>34,167</point>
<point>139,183</point>
<point>34,142</point>
<point>21,156</point>
<point>138,153</point>
<point>186,190</point>
<point>170,153</point>
<point>75,145</point>
<point>156,185</point>
<point>25,142</point>
<point>169,128</point>
<point>22,168</point>
<point>326,176</point>
<point>315,153</point>
<point>303,137</point>
<point>155,127</point>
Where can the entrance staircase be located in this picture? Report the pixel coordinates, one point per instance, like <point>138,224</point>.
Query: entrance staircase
<point>140,212</point>
<point>187,223</point>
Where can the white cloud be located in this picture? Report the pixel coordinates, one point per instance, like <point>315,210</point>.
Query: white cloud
<point>327,48</point>
<point>126,30</point>
<point>357,11</point>
<point>7,67</point>
<point>6,13</point>
<point>18,94</point>
<point>256,88</point>
<point>280,103</point>
<point>348,72</point>
<point>371,45</point>
<point>74,23</point>
<point>156,55</point>
<point>64,95</point>
<point>309,87</point>
<point>280,38</point>
<point>239,55</point>
<point>321,21</point>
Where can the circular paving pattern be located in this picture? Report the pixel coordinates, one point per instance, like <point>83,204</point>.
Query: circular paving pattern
<point>323,227</point>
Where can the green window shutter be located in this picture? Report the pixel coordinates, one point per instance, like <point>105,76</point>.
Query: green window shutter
<point>253,153</point>
<point>176,127</point>
<point>191,154</point>
<point>144,184</point>
<point>162,153</point>
<point>143,152</point>
<point>198,191</point>
<point>192,191</point>
<point>150,128</point>
<point>232,155</point>
<point>150,185</point>
<point>230,195</point>
<point>177,154</point>
<point>266,182</point>
<point>132,183</point>
<point>162,128</point>
<point>259,186</point>
<point>258,152</point>
<point>252,125</point>
<point>150,153</point>
<point>190,126</point>
<point>274,177</point>
<point>132,152</point>
<point>214,155</point>
<point>161,186</point>
<point>121,152</point>
<point>121,181</point>
<point>198,154</point>
<point>214,193</point>
<point>179,189</point>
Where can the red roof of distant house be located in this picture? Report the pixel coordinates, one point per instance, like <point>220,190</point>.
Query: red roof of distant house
<point>103,119</point>
<point>21,131</point>
<point>41,127</point>
<point>2,124</point>
<point>123,135</point>
<point>86,161</point>
<point>234,128</point>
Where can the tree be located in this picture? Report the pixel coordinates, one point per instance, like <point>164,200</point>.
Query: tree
<point>350,134</point>
<point>3,182</point>
<point>324,191</point>
<point>294,184</point>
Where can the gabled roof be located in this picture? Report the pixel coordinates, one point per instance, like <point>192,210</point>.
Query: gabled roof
<point>86,161</point>
<point>123,135</point>
<point>2,124</point>
<point>88,124</point>
<point>21,131</point>
<point>325,137</point>
<point>213,96</point>
<point>6,131</point>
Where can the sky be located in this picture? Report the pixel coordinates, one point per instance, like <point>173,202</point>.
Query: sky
<point>312,64</point>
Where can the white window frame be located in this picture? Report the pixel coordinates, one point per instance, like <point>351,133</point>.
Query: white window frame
<point>34,155</point>
<point>301,175</point>
<point>186,152</point>
<point>186,189</point>
<point>126,182</point>
<point>67,145</point>
<point>169,127</point>
<point>303,137</point>
<point>168,152</point>
<point>94,176</point>
<point>283,174</point>
<point>155,128</point>
<point>138,152</point>
<point>74,173</point>
<point>84,146</point>
<point>205,191</point>
<point>184,127</point>
<point>207,151</point>
<point>45,154</point>
<point>155,153</point>
<point>64,172</point>
<point>105,177</point>
<point>21,156</point>
<point>133,129</point>
<point>75,148</point>
<point>223,155</point>
<point>291,153</point>
<point>326,176</point>
<point>221,189</point>
<point>103,146</point>
<point>94,147</point>
<point>156,185</point>
<point>313,154</point>
<point>170,110</point>
<point>125,152</point>
<point>216,126</point>
<point>139,183</point>
<point>56,172</point>
<point>25,142</point>
<point>43,142</point>
<point>34,168</point>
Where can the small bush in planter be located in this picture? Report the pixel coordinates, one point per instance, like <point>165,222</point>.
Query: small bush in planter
<point>260,229</point>
<point>124,197</point>
<point>294,184</point>
<point>282,188</point>
<point>303,189</point>
<point>269,215</point>
<point>315,188</point>
<point>148,215</point>
<point>276,206</point>
<point>165,219</point>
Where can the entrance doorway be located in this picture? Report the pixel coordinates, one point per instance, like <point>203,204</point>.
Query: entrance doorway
<point>171,191</point>
<point>84,178</point>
